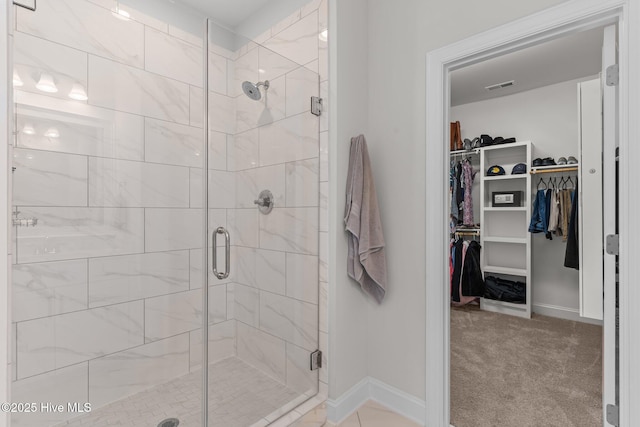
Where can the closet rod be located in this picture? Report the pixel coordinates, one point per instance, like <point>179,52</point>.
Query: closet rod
<point>464,152</point>
<point>565,169</point>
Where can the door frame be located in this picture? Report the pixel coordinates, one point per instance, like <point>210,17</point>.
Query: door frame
<point>567,18</point>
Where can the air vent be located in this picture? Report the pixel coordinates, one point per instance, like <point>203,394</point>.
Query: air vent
<point>500,85</point>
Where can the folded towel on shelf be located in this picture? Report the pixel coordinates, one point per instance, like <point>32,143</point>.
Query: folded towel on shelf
<point>366,261</point>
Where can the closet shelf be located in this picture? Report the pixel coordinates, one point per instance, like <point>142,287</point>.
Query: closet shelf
<point>508,209</point>
<point>553,169</point>
<point>519,240</point>
<point>505,304</point>
<point>503,177</point>
<point>505,270</point>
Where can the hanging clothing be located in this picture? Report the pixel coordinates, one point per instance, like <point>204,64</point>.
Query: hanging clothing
<point>538,222</point>
<point>572,254</point>
<point>547,204</point>
<point>472,284</point>
<point>453,192</point>
<point>565,213</point>
<point>554,211</point>
<point>468,186</point>
<point>459,193</point>
<point>464,299</point>
<point>457,270</point>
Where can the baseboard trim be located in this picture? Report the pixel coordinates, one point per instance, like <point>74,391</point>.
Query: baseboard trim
<point>369,388</point>
<point>563,313</point>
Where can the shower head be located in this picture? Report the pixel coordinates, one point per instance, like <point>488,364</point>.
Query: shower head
<point>253,90</point>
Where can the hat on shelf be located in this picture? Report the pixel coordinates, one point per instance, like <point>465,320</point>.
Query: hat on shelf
<point>501,140</point>
<point>485,140</point>
<point>518,169</point>
<point>548,161</point>
<point>495,170</point>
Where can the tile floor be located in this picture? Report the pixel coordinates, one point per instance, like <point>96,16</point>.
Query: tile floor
<point>372,414</point>
<point>239,396</point>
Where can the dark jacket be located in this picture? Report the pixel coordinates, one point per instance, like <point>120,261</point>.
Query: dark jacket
<point>572,254</point>
<point>472,281</point>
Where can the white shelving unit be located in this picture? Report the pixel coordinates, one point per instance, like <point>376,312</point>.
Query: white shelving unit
<point>504,235</point>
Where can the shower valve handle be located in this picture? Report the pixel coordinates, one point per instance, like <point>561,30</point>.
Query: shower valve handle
<point>264,201</point>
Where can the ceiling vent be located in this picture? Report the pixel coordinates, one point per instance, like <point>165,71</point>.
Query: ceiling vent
<point>500,85</point>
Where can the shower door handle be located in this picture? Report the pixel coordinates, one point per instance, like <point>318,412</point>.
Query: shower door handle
<point>214,253</point>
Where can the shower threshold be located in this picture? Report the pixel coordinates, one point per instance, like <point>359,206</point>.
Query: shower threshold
<point>239,396</point>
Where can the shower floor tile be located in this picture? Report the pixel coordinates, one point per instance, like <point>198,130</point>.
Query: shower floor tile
<point>239,396</point>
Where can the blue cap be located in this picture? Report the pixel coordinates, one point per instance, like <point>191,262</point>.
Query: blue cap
<point>495,170</point>
<point>520,168</point>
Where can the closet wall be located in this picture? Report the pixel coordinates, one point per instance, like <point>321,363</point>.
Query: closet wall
<point>548,117</point>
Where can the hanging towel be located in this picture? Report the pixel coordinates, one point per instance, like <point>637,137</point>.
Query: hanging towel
<point>366,261</point>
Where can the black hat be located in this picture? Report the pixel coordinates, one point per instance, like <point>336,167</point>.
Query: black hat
<point>495,170</point>
<point>520,168</point>
<point>485,140</point>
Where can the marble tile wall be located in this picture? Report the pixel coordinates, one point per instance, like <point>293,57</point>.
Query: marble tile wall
<point>106,286</point>
<point>278,298</point>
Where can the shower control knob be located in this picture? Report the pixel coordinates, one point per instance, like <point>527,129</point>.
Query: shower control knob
<point>264,201</point>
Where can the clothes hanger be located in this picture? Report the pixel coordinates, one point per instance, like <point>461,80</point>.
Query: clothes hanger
<point>562,184</point>
<point>540,182</point>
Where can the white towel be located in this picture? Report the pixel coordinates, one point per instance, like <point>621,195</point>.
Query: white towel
<point>366,261</point>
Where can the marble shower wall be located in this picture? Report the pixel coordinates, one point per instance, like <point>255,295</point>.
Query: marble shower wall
<point>277,146</point>
<point>107,287</point>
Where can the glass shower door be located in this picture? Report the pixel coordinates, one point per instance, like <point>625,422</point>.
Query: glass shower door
<point>108,214</point>
<point>264,188</point>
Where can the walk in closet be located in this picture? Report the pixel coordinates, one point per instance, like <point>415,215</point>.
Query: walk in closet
<point>533,210</point>
<point>483,209</point>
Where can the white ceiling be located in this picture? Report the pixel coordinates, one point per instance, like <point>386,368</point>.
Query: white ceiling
<point>568,58</point>
<point>227,12</point>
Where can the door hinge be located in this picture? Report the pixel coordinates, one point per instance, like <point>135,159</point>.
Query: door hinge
<point>27,4</point>
<point>612,244</point>
<point>316,105</point>
<point>613,75</point>
<point>316,360</point>
<point>613,415</point>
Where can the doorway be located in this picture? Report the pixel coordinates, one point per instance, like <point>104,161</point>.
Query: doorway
<point>533,338</point>
<point>547,25</point>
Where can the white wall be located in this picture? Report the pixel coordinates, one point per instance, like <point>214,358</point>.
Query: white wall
<point>380,88</point>
<point>348,355</point>
<point>399,38</point>
<point>548,117</point>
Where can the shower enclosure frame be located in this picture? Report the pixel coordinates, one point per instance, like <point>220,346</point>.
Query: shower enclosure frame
<point>205,227</point>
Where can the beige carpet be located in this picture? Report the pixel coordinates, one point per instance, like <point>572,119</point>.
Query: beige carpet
<point>512,372</point>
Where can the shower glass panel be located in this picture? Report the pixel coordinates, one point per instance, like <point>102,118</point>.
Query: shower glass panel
<point>113,288</point>
<point>262,136</point>
<point>107,283</point>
